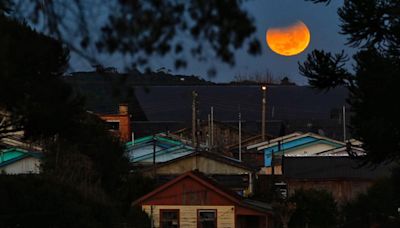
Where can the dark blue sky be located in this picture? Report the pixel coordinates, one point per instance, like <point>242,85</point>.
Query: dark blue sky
<point>322,21</point>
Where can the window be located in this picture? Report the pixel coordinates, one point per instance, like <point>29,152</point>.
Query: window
<point>207,219</point>
<point>113,125</point>
<point>169,218</point>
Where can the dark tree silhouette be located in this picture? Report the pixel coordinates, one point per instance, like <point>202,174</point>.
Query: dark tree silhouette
<point>33,97</point>
<point>374,28</point>
<point>314,208</point>
<point>138,29</point>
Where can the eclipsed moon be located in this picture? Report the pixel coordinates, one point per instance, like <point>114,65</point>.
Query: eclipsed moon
<point>290,40</point>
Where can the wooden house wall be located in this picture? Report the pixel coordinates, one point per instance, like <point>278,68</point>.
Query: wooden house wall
<point>188,214</point>
<point>188,192</point>
<point>342,190</point>
<point>26,165</point>
<point>203,164</point>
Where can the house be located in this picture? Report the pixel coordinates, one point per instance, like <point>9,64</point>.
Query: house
<point>19,161</point>
<point>156,149</point>
<point>193,200</point>
<point>227,171</point>
<point>120,123</point>
<point>343,176</point>
<point>298,144</point>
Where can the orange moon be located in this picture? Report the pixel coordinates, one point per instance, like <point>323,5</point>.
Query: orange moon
<point>290,40</point>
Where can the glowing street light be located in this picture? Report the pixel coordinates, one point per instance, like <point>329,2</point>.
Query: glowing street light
<point>264,102</point>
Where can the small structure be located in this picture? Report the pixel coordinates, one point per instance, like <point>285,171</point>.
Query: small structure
<point>193,200</point>
<point>119,124</point>
<point>19,161</point>
<point>298,144</point>
<point>228,172</point>
<point>340,175</point>
<point>156,149</point>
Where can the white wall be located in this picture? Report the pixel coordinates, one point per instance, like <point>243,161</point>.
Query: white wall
<point>23,166</point>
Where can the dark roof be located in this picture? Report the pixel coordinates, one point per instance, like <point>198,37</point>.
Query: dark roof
<point>301,107</point>
<point>283,102</point>
<point>330,167</point>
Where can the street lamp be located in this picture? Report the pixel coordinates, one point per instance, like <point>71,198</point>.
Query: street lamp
<point>264,102</point>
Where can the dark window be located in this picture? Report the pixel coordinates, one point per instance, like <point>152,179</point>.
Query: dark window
<point>207,219</point>
<point>113,125</point>
<point>169,218</point>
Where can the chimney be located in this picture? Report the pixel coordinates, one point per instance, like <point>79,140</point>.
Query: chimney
<point>123,109</point>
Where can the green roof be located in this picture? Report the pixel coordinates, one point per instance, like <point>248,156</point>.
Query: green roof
<point>10,155</point>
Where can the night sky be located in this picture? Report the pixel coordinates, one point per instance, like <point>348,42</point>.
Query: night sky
<point>322,21</point>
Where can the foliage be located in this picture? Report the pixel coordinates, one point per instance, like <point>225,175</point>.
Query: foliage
<point>36,201</point>
<point>88,151</point>
<point>378,207</point>
<point>133,187</point>
<point>141,29</point>
<point>33,97</point>
<point>85,170</point>
<point>373,27</point>
<point>136,214</point>
<point>314,208</point>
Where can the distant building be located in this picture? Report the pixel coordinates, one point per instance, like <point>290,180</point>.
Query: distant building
<point>193,200</point>
<point>341,176</point>
<point>228,172</point>
<point>297,144</point>
<point>19,161</point>
<point>120,123</point>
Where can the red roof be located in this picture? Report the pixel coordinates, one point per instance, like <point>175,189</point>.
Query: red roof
<point>171,193</point>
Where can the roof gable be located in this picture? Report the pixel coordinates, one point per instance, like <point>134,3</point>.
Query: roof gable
<point>11,155</point>
<point>297,141</point>
<point>213,156</point>
<point>182,189</point>
<point>166,149</point>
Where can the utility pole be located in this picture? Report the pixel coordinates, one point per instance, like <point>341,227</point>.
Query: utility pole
<point>212,127</point>
<point>240,135</point>
<point>194,130</point>
<point>264,102</point>
<point>344,123</point>
<point>198,126</point>
<point>209,132</point>
<point>154,156</point>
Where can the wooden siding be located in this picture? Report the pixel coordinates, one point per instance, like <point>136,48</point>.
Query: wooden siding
<point>205,165</point>
<point>188,214</point>
<point>342,190</point>
<point>26,165</point>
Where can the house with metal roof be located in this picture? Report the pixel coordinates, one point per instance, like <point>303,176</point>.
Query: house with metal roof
<point>194,200</point>
<point>157,149</point>
<point>295,144</point>
<point>300,144</point>
<point>19,161</point>
<point>227,171</point>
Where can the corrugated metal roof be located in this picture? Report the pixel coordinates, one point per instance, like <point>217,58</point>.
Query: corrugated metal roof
<point>141,150</point>
<point>11,155</point>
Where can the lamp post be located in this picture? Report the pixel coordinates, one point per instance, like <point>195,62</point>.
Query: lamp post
<point>264,103</point>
